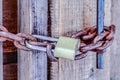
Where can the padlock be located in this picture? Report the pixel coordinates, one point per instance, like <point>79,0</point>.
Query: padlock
<point>66,48</point>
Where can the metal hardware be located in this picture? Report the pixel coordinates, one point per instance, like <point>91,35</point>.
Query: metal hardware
<point>45,38</point>
<point>50,53</point>
<point>67,48</point>
<point>90,41</point>
<point>33,47</point>
<point>100,26</point>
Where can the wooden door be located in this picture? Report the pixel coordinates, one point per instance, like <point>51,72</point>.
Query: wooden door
<point>56,18</point>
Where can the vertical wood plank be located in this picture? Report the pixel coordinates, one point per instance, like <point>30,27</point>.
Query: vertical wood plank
<point>39,20</point>
<point>10,22</point>
<point>70,16</point>
<point>115,50</point>
<point>25,25</point>
<point>89,13</point>
<point>1,49</point>
<point>89,20</point>
<point>32,19</point>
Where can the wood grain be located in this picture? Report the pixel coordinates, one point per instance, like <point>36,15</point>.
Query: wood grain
<point>10,22</point>
<point>10,71</point>
<point>24,24</point>
<point>89,20</point>
<point>115,49</point>
<point>39,20</point>
<point>70,16</point>
<point>1,49</point>
<point>32,19</point>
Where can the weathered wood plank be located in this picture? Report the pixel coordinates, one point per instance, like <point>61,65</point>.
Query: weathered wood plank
<point>24,24</point>
<point>32,19</point>
<point>1,49</point>
<point>39,20</point>
<point>70,16</point>
<point>10,22</point>
<point>10,58</point>
<point>10,71</point>
<point>89,20</point>
<point>115,49</point>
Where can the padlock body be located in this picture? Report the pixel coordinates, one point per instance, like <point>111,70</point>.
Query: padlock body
<point>66,48</point>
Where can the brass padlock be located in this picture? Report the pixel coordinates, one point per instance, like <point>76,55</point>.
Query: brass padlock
<point>66,47</point>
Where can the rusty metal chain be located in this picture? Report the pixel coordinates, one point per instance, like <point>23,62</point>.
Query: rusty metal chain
<point>90,41</point>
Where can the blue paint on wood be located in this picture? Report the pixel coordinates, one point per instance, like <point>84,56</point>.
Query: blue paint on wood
<point>100,26</point>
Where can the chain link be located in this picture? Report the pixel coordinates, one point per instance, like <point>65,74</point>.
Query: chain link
<point>90,41</point>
